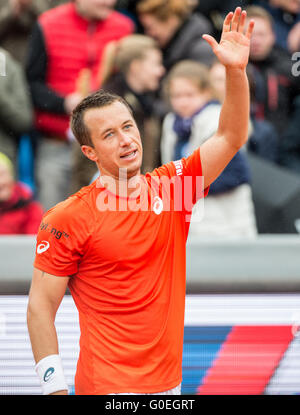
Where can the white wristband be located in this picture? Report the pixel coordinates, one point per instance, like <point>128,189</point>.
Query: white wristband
<point>50,373</point>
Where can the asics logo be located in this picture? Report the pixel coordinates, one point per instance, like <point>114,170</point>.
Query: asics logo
<point>48,374</point>
<point>158,205</point>
<point>42,247</point>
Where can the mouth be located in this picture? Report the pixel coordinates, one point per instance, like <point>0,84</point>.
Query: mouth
<point>129,155</point>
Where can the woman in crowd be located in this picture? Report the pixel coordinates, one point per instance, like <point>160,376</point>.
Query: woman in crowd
<point>177,29</point>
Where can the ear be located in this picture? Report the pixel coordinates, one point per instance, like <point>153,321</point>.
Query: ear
<point>89,152</point>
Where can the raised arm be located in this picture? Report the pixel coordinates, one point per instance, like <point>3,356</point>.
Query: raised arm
<point>232,133</point>
<point>45,296</point>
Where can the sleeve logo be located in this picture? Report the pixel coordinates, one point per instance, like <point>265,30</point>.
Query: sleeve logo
<point>42,247</point>
<point>179,167</point>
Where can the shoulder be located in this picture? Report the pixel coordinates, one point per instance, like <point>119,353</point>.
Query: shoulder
<point>8,57</point>
<point>201,22</point>
<point>116,84</point>
<point>166,170</point>
<point>209,112</point>
<point>120,20</point>
<point>11,68</point>
<point>56,13</point>
<point>74,211</point>
<point>196,25</point>
<point>169,120</point>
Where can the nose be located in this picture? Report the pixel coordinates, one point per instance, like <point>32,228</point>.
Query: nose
<point>124,138</point>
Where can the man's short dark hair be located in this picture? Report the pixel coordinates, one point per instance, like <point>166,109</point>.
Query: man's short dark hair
<point>98,99</point>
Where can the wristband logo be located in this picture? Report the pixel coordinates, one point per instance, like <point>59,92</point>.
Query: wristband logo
<point>42,247</point>
<point>49,372</point>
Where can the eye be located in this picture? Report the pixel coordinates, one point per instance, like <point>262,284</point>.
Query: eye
<point>128,126</point>
<point>108,135</point>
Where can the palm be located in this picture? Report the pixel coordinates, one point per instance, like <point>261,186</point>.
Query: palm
<point>234,46</point>
<point>233,49</point>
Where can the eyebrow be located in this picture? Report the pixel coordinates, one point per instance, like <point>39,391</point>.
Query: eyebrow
<point>111,128</point>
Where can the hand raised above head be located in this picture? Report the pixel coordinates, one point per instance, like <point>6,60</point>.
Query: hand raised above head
<point>234,47</point>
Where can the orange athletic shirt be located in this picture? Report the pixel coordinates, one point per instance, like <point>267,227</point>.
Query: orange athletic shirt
<point>127,280</point>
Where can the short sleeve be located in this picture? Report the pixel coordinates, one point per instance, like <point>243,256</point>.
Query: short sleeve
<point>193,178</point>
<point>190,169</point>
<point>63,237</point>
<point>187,182</point>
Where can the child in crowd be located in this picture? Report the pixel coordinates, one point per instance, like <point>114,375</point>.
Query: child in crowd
<point>19,212</point>
<point>194,117</point>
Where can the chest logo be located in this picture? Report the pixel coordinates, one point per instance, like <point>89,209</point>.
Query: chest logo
<point>158,205</point>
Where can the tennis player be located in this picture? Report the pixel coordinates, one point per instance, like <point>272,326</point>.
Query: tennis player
<point>125,267</point>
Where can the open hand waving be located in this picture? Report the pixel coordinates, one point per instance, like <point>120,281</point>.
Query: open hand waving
<point>234,46</point>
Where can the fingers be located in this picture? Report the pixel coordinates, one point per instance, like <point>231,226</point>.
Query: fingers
<point>211,41</point>
<point>242,22</point>
<point>236,22</point>
<point>250,29</point>
<point>227,22</point>
<point>236,19</point>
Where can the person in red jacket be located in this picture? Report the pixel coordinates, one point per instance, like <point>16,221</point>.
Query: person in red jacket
<point>19,212</point>
<point>63,66</point>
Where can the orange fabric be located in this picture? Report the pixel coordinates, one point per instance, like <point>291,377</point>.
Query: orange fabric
<point>128,282</point>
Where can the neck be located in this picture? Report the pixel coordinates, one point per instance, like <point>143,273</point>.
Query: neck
<point>80,10</point>
<point>121,185</point>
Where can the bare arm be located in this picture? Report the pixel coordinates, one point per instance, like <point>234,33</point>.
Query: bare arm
<point>232,133</point>
<point>45,296</point>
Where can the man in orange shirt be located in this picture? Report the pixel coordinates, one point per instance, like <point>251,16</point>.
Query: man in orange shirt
<point>119,244</point>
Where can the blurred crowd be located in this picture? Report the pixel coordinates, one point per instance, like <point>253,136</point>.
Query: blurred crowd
<point>152,53</point>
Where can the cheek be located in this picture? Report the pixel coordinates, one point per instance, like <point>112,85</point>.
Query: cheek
<point>196,103</point>
<point>5,190</point>
<point>176,104</point>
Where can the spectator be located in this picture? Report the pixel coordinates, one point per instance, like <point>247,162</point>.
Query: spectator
<point>65,52</point>
<point>290,144</point>
<point>229,207</point>
<point>275,86</point>
<point>128,7</point>
<point>286,16</point>
<point>15,106</point>
<point>19,212</point>
<point>216,10</point>
<point>17,18</point>
<point>263,138</point>
<point>177,30</point>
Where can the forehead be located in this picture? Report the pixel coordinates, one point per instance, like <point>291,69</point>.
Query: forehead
<point>109,116</point>
<point>4,170</point>
<point>183,85</point>
<point>262,24</point>
<point>152,54</point>
<point>150,20</point>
